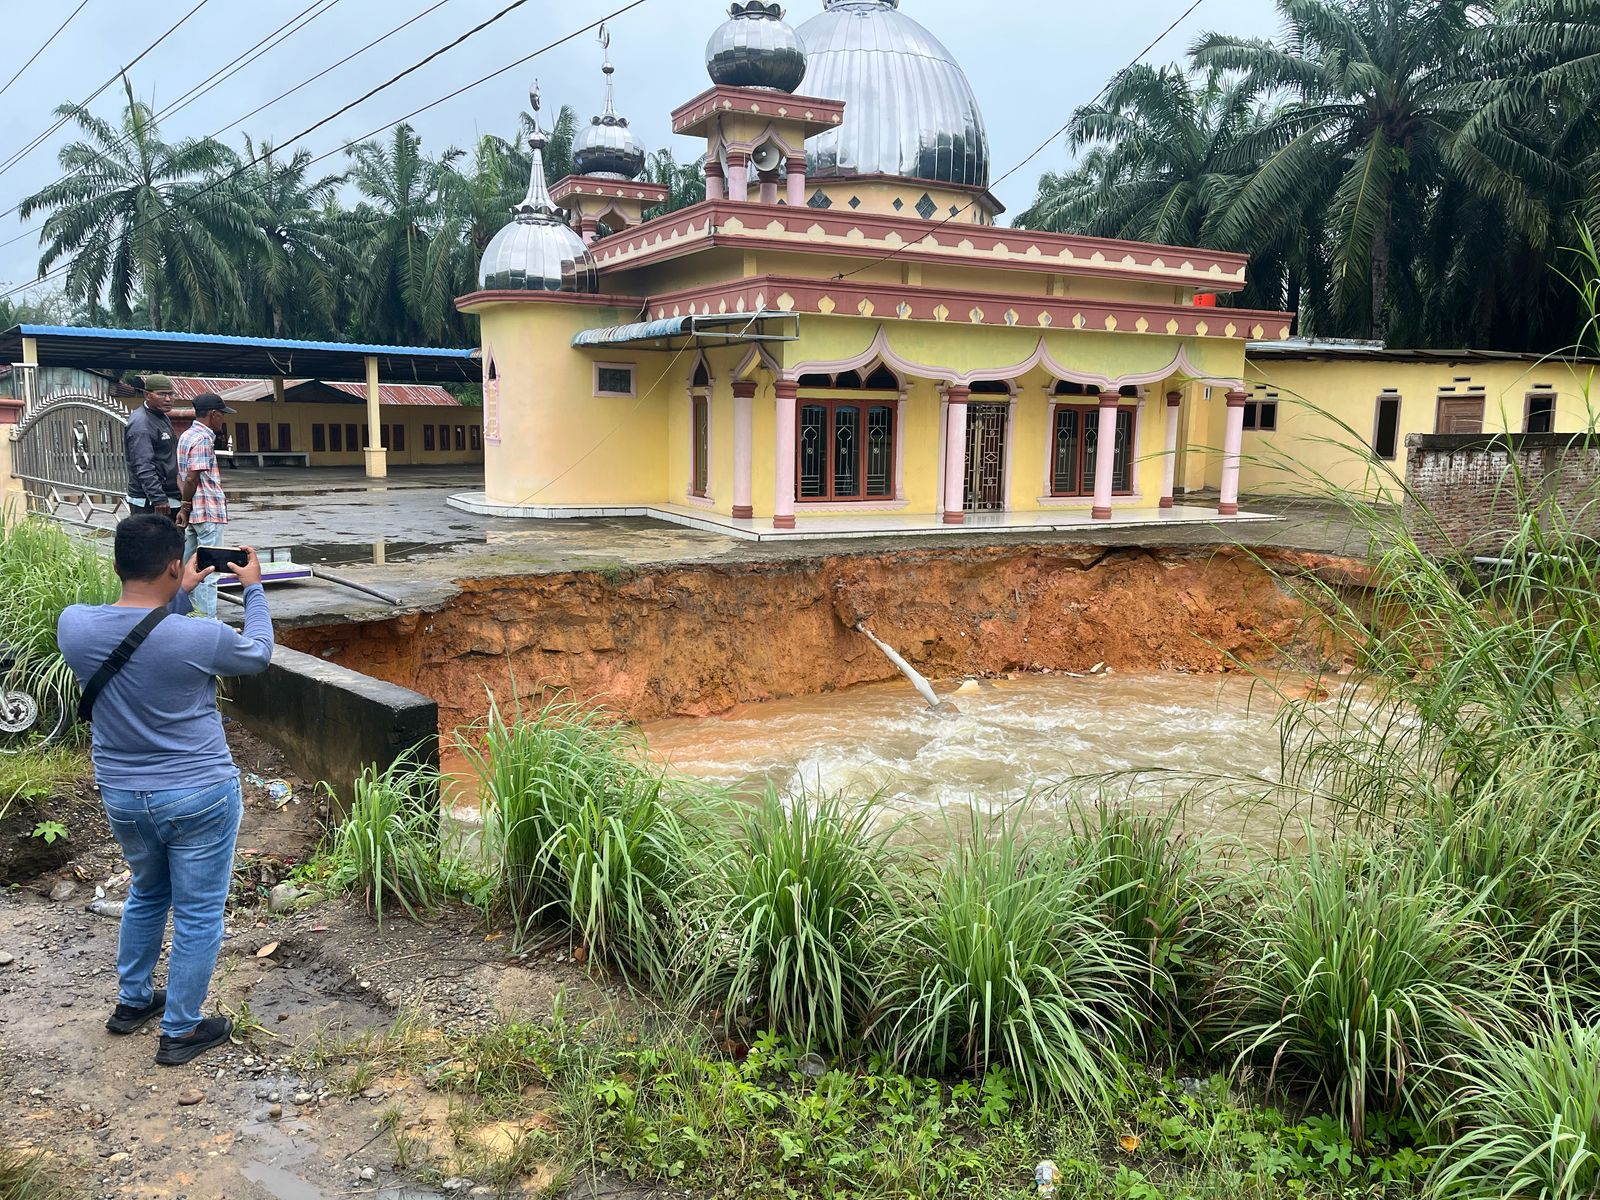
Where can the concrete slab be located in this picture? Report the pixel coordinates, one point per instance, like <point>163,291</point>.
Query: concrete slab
<point>401,536</point>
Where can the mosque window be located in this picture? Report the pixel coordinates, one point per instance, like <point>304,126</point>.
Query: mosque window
<point>883,379</point>
<point>855,202</point>
<point>845,450</point>
<point>848,379</point>
<point>898,204</point>
<point>700,452</point>
<point>819,200</point>
<point>990,387</point>
<point>613,379</point>
<point>1386,427</point>
<point>1261,414</point>
<point>926,207</point>
<point>1069,387</point>
<point>1074,451</point>
<point>702,377</point>
<point>816,381</point>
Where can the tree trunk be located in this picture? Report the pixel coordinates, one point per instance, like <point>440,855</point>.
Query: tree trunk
<point>1380,280</point>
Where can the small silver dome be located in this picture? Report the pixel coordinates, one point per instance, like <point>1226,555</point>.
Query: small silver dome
<point>537,251</point>
<point>606,146</point>
<point>909,109</point>
<point>756,48</point>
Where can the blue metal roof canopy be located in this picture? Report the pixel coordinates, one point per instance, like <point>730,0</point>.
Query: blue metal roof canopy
<point>713,329</point>
<point>172,353</point>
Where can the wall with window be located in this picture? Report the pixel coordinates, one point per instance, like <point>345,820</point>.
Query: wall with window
<point>335,434</point>
<point>1341,423</point>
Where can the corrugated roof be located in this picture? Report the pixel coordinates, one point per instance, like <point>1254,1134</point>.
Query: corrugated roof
<point>418,395</point>
<point>1378,352</point>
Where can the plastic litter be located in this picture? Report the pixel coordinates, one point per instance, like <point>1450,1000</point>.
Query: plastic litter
<point>106,908</point>
<point>279,791</point>
<point>813,1065</point>
<point>1045,1176</point>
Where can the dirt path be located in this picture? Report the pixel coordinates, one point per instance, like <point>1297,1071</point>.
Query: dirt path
<point>257,1121</point>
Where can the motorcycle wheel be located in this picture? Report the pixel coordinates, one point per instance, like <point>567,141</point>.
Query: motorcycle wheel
<point>32,717</point>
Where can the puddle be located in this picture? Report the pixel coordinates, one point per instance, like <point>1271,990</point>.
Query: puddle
<point>281,1154</point>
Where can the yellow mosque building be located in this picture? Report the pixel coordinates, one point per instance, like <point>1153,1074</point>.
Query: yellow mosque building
<point>841,340</point>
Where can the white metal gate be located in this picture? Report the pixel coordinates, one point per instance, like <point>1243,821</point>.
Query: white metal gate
<point>68,448</point>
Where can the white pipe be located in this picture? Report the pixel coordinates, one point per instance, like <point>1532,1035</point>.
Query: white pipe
<point>924,688</point>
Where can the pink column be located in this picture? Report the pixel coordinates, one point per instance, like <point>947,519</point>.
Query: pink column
<point>1169,470</point>
<point>739,178</point>
<point>1232,450</point>
<point>1105,455</point>
<point>744,394</point>
<point>769,187</point>
<point>783,503</point>
<point>797,182</point>
<point>955,456</point>
<point>716,182</point>
<point>589,227</point>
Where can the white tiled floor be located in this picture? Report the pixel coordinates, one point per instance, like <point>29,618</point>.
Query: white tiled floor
<point>847,525</point>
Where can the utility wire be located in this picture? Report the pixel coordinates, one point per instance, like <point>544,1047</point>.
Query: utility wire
<point>283,95</point>
<point>198,90</point>
<point>14,159</point>
<point>47,42</point>
<point>1038,150</point>
<point>188,201</point>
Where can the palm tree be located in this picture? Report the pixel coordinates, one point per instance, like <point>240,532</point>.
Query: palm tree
<point>685,182</point>
<point>134,214</point>
<point>1155,172</point>
<point>404,288</point>
<point>1378,99</point>
<point>295,265</point>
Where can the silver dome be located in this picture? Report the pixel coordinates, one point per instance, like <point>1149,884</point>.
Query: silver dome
<point>909,109</point>
<point>756,48</point>
<point>606,146</point>
<point>538,251</point>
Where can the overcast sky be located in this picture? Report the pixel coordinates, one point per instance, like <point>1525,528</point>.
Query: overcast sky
<point>1030,61</point>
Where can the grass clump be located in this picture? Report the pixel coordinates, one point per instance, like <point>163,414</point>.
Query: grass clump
<point>779,922</point>
<point>1158,894</point>
<point>43,570</point>
<point>583,832</point>
<point>30,1175</point>
<point>1350,978</point>
<point>387,847</point>
<point>1005,964</point>
<point>1528,1106</point>
<point>38,774</point>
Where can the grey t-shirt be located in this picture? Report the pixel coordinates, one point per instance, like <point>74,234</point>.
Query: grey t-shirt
<point>156,724</point>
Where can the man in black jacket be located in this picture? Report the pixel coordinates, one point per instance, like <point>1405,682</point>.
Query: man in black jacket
<point>152,450</point>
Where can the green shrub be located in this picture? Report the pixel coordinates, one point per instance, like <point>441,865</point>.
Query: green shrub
<point>1006,964</point>
<point>779,922</point>
<point>1525,1119</point>
<point>38,774</point>
<point>387,847</point>
<point>581,829</point>
<point>1155,890</point>
<point>1350,976</point>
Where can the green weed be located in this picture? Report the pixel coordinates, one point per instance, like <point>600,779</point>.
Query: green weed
<point>387,847</point>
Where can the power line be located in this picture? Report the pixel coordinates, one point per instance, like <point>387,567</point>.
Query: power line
<point>283,95</point>
<point>47,43</point>
<point>188,201</point>
<point>1038,150</point>
<point>94,95</point>
<point>300,20</point>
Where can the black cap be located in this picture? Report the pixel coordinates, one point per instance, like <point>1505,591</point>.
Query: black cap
<point>207,402</point>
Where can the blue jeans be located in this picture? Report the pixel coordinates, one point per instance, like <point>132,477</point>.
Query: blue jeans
<point>179,845</point>
<point>204,597</point>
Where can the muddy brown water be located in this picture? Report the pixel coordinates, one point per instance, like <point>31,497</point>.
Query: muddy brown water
<point>1155,738</point>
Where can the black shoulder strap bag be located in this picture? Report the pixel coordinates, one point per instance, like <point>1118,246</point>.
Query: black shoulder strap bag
<point>119,659</point>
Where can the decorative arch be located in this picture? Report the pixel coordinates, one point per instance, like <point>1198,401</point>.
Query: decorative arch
<point>491,397</point>
<point>759,356</point>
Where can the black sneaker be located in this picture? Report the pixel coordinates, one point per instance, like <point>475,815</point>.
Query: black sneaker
<point>175,1051</point>
<point>127,1019</point>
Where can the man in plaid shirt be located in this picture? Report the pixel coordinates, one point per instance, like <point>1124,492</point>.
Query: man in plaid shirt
<point>204,511</point>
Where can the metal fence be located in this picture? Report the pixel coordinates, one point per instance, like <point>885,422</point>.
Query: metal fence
<point>68,448</point>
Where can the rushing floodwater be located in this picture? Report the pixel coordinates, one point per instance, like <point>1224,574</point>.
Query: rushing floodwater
<point>1012,738</point>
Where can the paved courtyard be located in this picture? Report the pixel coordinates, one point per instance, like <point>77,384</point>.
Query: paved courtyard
<point>401,536</point>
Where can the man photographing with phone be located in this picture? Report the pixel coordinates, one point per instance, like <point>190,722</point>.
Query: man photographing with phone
<point>166,775</point>
<point>203,513</point>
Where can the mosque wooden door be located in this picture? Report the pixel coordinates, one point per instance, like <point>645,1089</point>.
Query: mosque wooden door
<point>986,457</point>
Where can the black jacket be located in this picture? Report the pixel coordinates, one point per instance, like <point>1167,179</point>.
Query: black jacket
<point>152,450</point>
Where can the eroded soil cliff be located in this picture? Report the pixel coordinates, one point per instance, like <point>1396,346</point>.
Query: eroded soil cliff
<point>693,641</point>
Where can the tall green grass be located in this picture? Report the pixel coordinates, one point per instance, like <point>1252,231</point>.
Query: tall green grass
<point>1350,977</point>
<point>779,923</point>
<point>582,831</point>
<point>387,846</point>
<point>42,571</point>
<point>1006,963</point>
<point>1525,1116</point>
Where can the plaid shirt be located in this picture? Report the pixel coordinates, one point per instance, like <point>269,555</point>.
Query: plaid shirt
<point>197,451</point>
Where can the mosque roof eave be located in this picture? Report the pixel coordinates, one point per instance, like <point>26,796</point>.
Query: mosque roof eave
<point>605,185</point>
<point>817,114</point>
<point>730,224</point>
<point>482,298</point>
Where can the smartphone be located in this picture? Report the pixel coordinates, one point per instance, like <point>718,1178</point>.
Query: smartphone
<point>219,557</point>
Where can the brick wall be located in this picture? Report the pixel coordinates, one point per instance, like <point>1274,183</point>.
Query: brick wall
<point>1468,492</point>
